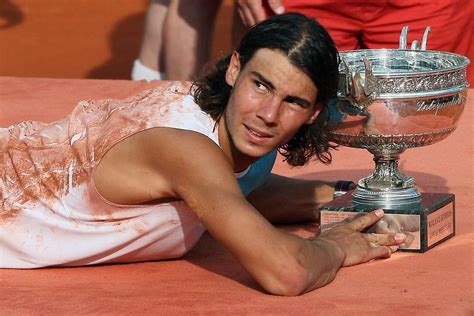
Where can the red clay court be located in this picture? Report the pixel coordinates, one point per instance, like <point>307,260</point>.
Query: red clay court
<point>209,279</point>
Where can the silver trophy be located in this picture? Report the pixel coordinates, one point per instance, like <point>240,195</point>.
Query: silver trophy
<point>390,100</point>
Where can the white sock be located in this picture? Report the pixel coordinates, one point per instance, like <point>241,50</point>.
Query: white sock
<point>142,72</point>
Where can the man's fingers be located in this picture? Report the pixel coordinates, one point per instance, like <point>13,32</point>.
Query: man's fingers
<point>246,16</point>
<point>381,252</point>
<point>393,248</point>
<point>385,239</point>
<point>409,239</point>
<point>257,11</point>
<point>276,6</point>
<point>251,11</point>
<point>362,222</point>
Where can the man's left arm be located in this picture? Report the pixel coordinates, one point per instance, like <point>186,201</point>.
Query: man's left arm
<point>284,200</point>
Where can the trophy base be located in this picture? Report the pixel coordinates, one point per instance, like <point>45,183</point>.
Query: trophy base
<point>391,199</point>
<point>426,224</point>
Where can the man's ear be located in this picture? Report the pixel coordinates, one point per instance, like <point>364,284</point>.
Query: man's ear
<point>233,70</point>
<point>317,110</point>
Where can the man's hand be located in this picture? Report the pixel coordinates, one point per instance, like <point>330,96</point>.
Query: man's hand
<point>252,11</point>
<point>392,223</point>
<point>357,247</point>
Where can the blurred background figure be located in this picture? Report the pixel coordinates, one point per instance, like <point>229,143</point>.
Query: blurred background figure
<point>10,14</point>
<point>355,24</point>
<point>60,34</point>
<point>177,39</point>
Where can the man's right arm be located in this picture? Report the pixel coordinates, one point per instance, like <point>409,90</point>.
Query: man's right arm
<point>198,172</point>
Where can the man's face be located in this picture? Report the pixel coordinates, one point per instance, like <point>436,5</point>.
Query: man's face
<point>271,99</point>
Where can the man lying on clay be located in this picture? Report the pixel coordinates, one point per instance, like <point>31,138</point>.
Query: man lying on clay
<point>143,178</point>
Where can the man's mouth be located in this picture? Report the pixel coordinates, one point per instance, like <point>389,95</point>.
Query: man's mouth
<point>258,133</point>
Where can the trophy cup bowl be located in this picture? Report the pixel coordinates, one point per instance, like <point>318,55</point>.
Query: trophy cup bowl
<point>390,100</point>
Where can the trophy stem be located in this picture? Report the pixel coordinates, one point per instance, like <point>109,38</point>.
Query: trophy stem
<point>386,187</point>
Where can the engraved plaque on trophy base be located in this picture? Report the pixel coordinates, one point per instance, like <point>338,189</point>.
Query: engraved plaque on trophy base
<point>426,225</point>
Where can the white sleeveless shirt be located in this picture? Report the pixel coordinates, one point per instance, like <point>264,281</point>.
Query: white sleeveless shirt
<point>51,213</point>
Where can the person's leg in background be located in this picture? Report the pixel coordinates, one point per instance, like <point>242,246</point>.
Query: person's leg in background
<point>177,39</point>
<point>149,65</point>
<point>187,36</point>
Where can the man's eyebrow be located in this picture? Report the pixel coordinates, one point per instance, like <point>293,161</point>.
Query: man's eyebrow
<point>299,100</point>
<point>268,83</point>
<point>263,79</point>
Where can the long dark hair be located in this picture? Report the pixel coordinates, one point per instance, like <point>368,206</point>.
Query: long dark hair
<point>309,47</point>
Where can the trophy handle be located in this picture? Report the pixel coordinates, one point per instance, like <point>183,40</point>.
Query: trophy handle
<point>360,91</point>
<point>415,44</point>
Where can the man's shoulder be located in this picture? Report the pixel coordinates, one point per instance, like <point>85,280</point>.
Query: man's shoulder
<point>173,105</point>
<point>173,88</point>
<point>182,150</point>
<point>178,96</point>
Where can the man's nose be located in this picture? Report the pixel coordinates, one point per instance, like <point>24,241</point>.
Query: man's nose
<point>269,111</point>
